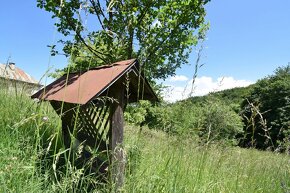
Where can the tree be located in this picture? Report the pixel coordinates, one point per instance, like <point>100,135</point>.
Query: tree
<point>220,122</point>
<point>267,111</point>
<point>159,33</point>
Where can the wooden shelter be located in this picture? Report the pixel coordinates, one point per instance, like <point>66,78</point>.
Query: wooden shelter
<point>91,106</point>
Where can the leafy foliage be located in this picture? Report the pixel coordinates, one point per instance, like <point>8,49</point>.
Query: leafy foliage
<point>159,33</point>
<point>233,97</point>
<point>264,108</point>
<point>221,123</point>
<point>211,120</point>
<point>155,160</point>
<point>267,112</point>
<point>137,112</point>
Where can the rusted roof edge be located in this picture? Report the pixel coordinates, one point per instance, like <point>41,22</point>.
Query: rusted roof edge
<point>99,67</point>
<point>133,65</point>
<point>41,92</point>
<point>113,81</point>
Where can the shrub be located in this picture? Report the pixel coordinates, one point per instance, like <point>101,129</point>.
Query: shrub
<point>135,113</point>
<point>267,111</point>
<point>210,120</point>
<point>220,123</point>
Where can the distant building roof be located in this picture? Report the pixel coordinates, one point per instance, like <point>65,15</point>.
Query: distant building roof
<point>12,72</point>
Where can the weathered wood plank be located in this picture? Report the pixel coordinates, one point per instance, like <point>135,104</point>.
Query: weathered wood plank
<point>116,142</point>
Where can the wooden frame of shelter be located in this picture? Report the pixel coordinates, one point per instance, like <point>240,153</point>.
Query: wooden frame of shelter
<point>91,106</point>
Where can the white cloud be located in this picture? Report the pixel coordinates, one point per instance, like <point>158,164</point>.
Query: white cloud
<point>178,78</point>
<point>202,86</point>
<point>173,93</point>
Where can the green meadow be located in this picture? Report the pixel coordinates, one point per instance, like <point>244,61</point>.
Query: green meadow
<point>31,151</point>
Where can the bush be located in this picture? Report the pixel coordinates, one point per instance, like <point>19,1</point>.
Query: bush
<point>209,120</point>
<point>267,111</point>
<point>220,123</point>
<point>135,113</point>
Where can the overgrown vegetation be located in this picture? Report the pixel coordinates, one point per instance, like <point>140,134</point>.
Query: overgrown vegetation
<point>266,112</point>
<point>255,116</point>
<point>173,164</point>
<point>188,146</point>
<point>207,121</point>
<point>23,129</point>
<point>32,161</point>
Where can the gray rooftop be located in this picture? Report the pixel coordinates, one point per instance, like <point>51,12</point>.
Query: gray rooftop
<point>12,72</point>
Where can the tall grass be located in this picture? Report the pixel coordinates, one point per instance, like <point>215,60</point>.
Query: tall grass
<point>32,161</point>
<point>171,164</point>
<point>19,126</point>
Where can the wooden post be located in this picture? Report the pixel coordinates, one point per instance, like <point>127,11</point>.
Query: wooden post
<point>66,113</point>
<point>116,142</point>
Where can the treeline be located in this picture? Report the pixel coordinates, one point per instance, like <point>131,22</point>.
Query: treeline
<point>266,113</point>
<point>254,116</point>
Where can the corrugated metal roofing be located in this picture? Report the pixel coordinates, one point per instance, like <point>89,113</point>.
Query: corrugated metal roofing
<point>80,88</point>
<point>12,72</point>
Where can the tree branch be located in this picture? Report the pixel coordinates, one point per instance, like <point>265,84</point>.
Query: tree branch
<point>144,11</point>
<point>83,41</point>
<point>90,48</point>
<point>97,13</point>
<point>159,46</point>
<point>99,5</point>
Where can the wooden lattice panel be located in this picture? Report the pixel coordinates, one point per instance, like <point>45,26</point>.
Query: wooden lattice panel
<point>93,124</point>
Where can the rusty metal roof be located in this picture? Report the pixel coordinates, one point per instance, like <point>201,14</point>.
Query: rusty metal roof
<point>12,72</point>
<point>80,88</point>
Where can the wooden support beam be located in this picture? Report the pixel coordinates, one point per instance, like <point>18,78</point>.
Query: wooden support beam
<point>116,139</point>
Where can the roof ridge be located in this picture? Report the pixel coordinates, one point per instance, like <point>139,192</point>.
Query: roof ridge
<point>114,64</point>
<point>104,66</point>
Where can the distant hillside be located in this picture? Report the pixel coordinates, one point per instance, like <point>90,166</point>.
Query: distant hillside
<point>233,97</point>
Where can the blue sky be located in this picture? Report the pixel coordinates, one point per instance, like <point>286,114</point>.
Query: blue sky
<point>25,33</point>
<point>247,40</point>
